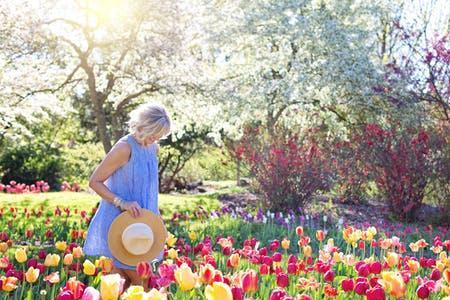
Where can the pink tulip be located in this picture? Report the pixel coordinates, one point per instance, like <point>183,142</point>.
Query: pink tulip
<point>423,291</point>
<point>237,292</point>
<point>90,293</point>
<point>282,280</point>
<point>376,293</point>
<point>277,294</point>
<point>347,285</point>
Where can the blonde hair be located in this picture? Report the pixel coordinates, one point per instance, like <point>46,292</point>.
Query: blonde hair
<point>149,118</point>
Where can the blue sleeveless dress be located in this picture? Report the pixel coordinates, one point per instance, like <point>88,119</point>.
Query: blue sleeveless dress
<point>137,181</point>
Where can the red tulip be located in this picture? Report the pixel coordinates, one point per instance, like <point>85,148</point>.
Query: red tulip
<point>250,281</point>
<point>282,280</point>
<point>65,294</point>
<point>361,288</point>
<point>329,276</point>
<point>376,293</point>
<point>299,231</point>
<point>292,259</point>
<point>423,291</point>
<point>237,292</point>
<point>264,269</point>
<point>277,257</point>
<point>364,270</point>
<point>435,275</point>
<point>292,268</point>
<point>32,262</point>
<point>375,267</point>
<point>144,270</point>
<point>277,294</point>
<point>348,285</point>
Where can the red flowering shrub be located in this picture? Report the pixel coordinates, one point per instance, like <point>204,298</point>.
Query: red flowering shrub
<point>400,164</point>
<point>288,171</point>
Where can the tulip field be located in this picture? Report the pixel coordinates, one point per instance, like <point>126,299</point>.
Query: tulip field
<point>219,252</point>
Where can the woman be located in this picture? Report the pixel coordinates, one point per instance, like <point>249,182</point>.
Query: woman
<point>130,170</point>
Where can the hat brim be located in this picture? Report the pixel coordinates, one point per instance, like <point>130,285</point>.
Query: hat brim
<point>125,219</point>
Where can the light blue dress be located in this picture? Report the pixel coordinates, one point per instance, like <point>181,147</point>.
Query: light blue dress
<point>137,181</point>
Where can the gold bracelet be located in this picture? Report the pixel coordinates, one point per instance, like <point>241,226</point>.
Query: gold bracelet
<point>117,201</point>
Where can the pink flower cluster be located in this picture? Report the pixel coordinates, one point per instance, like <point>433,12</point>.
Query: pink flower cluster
<point>19,188</point>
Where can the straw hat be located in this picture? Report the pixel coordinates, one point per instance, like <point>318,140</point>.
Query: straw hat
<point>132,240</point>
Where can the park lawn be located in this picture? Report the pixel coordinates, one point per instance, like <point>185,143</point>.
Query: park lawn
<point>168,203</point>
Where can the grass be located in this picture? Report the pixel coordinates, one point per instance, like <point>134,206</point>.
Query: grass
<point>86,200</point>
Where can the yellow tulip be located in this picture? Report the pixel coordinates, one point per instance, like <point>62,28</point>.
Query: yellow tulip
<point>218,291</point>
<point>68,259</point>
<point>77,252</point>
<point>61,245</point>
<point>234,259</point>
<point>193,235</point>
<point>20,255</point>
<point>110,286</point>
<point>392,259</point>
<point>330,242</point>
<point>285,243</point>
<point>172,253</point>
<point>337,257</point>
<point>393,283</point>
<point>51,260</point>
<point>134,292</point>
<point>32,275</point>
<point>88,267</point>
<point>171,240</point>
<point>307,251</point>
<point>185,277</point>
<point>154,294</point>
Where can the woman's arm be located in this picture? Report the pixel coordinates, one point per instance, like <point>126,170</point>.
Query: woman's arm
<point>116,158</point>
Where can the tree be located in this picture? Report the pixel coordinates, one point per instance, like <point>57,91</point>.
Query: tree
<point>115,52</point>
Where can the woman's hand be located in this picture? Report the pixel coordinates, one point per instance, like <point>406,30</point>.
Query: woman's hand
<point>132,207</point>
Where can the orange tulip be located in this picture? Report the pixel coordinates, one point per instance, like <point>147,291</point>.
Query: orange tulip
<point>105,263</point>
<point>9,284</point>
<point>3,247</point>
<point>234,260</point>
<point>52,277</point>
<point>250,281</point>
<point>393,283</point>
<point>413,266</point>
<point>77,252</point>
<point>446,275</point>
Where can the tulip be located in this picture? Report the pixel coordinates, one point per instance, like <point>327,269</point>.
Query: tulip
<point>329,276</point>
<point>237,292</point>
<point>20,255</point>
<point>75,286</point>
<point>303,297</point>
<point>392,259</point>
<point>9,284</point>
<point>171,240</point>
<point>52,260</point>
<point>285,243</point>
<point>52,278</point>
<point>347,285</point>
<point>218,291</point>
<point>77,252</point>
<point>282,280</point>
<point>3,247</point>
<point>307,251</point>
<point>88,268</point>
<point>233,260</point>
<point>320,235</point>
<point>111,286</point>
<point>206,274</point>
<point>250,281</point>
<point>375,267</point>
<point>361,287</point>
<point>65,294</point>
<point>277,257</point>
<point>446,275</point>
<point>172,253</point>
<point>376,293</point>
<point>90,293</point>
<point>277,294</point>
<point>413,266</point>
<point>393,283</point>
<point>423,291</point>
<point>68,259</point>
<point>144,270</point>
<point>185,277</point>
<point>435,275</point>
<point>264,269</point>
<point>192,235</point>
<point>154,294</point>
<point>105,263</point>
<point>299,231</point>
<point>61,245</point>
<point>32,275</point>
<point>134,292</point>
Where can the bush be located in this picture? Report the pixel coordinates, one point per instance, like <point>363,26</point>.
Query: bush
<point>400,162</point>
<point>27,163</point>
<point>289,171</point>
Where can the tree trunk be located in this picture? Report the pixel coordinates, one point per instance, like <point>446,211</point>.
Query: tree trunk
<point>101,123</point>
<point>238,172</point>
